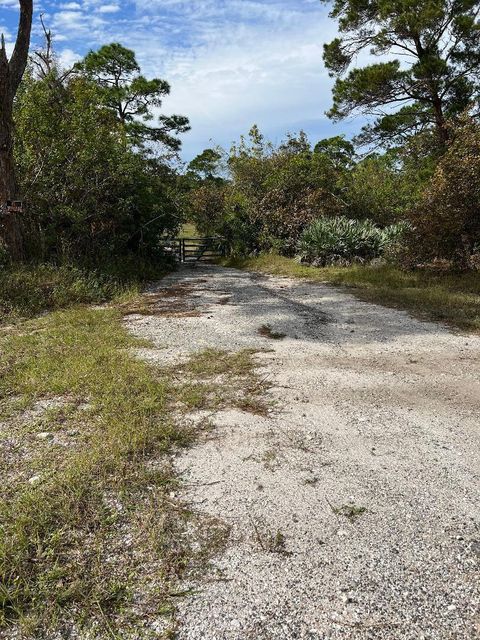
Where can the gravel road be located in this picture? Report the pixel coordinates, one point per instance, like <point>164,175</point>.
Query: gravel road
<point>354,506</point>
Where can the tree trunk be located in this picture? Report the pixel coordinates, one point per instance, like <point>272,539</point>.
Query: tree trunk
<point>440,122</point>
<point>11,72</point>
<point>9,223</point>
<point>435,101</point>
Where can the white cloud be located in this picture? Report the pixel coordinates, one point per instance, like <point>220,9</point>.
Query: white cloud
<point>230,62</point>
<point>269,73</point>
<point>108,8</point>
<point>68,58</point>
<point>79,25</point>
<point>6,33</point>
<point>69,20</point>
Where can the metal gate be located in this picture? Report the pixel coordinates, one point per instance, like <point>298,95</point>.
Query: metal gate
<point>191,250</point>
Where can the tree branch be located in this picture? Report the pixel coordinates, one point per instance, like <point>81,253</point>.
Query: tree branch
<point>19,58</point>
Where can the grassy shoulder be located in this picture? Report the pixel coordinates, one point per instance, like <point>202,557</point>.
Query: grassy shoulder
<point>450,298</point>
<point>83,418</point>
<point>27,290</point>
<point>92,536</point>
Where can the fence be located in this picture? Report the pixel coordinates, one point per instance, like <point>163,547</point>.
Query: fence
<point>195,249</point>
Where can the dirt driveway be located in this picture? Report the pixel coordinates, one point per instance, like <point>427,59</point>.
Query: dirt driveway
<point>354,505</point>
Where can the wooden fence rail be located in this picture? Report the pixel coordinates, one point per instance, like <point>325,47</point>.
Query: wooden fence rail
<point>195,249</point>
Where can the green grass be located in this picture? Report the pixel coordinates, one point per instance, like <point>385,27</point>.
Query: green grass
<point>216,379</point>
<point>447,297</point>
<point>96,542</point>
<point>27,290</point>
<point>56,535</point>
<point>215,362</point>
<point>350,511</point>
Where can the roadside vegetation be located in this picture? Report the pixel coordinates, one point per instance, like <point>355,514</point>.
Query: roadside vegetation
<point>341,239</point>
<point>27,290</point>
<point>393,212</point>
<point>413,206</point>
<point>93,538</point>
<point>308,212</point>
<point>84,419</point>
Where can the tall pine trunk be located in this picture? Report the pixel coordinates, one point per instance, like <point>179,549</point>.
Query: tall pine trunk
<point>9,222</point>
<point>11,72</point>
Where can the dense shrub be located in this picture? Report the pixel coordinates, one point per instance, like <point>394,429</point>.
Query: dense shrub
<point>341,239</point>
<point>89,196</point>
<point>207,208</point>
<point>27,290</point>
<point>271,194</point>
<point>446,222</point>
<point>384,187</point>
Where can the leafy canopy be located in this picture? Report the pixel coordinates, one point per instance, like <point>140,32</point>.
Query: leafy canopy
<point>430,74</point>
<point>206,165</point>
<point>116,70</point>
<point>272,192</point>
<point>89,197</point>
<point>446,221</point>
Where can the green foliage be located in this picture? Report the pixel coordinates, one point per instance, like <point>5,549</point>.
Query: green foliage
<point>88,196</point>
<point>206,166</point>
<point>433,76</point>
<point>279,191</point>
<point>131,96</point>
<point>28,290</point>
<point>341,152</point>
<point>275,193</point>
<point>204,192</point>
<point>382,188</point>
<point>446,221</point>
<point>272,194</point>
<point>207,208</point>
<point>341,239</point>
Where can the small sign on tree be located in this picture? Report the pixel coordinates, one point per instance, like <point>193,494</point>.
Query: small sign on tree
<point>14,206</point>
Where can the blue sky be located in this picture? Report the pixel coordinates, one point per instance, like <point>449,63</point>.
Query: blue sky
<point>231,63</point>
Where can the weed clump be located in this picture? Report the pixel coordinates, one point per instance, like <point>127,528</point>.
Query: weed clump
<point>267,332</point>
<point>215,379</point>
<point>335,239</point>
<point>350,511</point>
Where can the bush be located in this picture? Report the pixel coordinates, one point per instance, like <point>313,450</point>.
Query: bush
<point>89,196</point>
<point>383,188</point>
<point>330,240</point>
<point>29,290</point>
<point>206,207</point>
<point>281,190</point>
<point>446,222</point>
